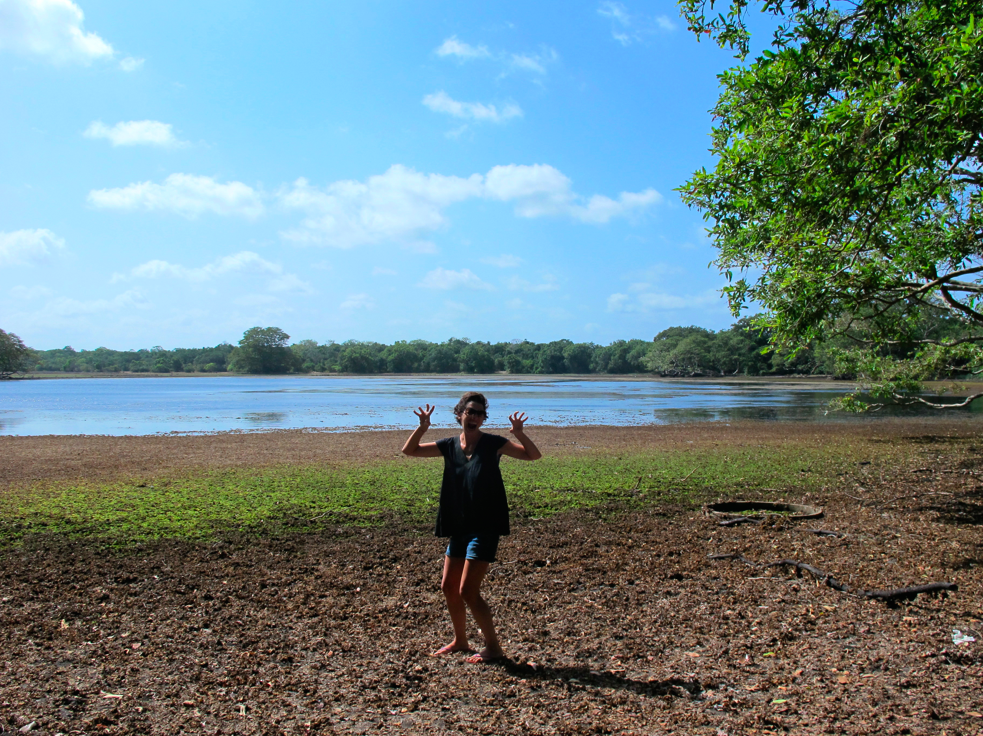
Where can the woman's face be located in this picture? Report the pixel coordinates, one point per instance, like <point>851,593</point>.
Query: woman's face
<point>473,416</point>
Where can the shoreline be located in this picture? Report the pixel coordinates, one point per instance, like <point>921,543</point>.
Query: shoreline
<point>508,377</point>
<point>962,387</point>
<point>32,459</point>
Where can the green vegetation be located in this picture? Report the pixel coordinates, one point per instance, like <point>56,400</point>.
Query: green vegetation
<point>846,197</point>
<point>285,499</point>
<point>743,349</point>
<point>14,354</point>
<point>263,350</point>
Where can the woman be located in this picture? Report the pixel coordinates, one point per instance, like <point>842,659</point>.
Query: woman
<point>473,512</point>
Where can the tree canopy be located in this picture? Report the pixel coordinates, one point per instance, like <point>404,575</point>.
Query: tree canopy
<point>846,193</point>
<point>14,354</point>
<point>263,350</point>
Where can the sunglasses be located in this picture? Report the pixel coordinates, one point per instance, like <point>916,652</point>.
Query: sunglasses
<point>474,413</point>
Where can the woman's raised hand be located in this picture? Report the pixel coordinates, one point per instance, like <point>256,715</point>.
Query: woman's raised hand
<point>424,415</point>
<point>518,419</point>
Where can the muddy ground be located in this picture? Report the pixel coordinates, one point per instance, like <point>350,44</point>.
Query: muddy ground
<point>614,622</point>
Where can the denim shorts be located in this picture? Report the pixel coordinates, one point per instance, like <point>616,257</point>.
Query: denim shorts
<point>480,547</point>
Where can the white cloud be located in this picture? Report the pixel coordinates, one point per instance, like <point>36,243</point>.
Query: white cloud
<point>548,284</point>
<point>536,63</point>
<point>130,64</point>
<point>65,307</point>
<point>627,28</point>
<point>442,102</point>
<point>398,205</point>
<point>24,247</point>
<point>357,301</point>
<point>665,23</point>
<point>648,301</point>
<point>540,190</point>
<point>291,284</point>
<point>134,133</point>
<point>51,29</point>
<point>616,12</point>
<point>184,194</point>
<point>30,293</point>
<point>243,261</point>
<point>402,205</point>
<point>617,302</point>
<point>503,261</point>
<point>446,280</point>
<point>453,47</point>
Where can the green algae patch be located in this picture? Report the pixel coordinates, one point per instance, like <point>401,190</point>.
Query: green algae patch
<point>290,499</point>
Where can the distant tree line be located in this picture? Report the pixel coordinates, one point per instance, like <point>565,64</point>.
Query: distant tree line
<point>741,350</point>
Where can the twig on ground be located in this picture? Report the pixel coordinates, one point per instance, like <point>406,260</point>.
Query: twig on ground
<point>888,596</point>
<point>738,520</point>
<point>916,495</point>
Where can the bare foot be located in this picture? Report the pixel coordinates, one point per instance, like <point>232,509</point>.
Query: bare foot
<point>451,649</point>
<point>487,656</point>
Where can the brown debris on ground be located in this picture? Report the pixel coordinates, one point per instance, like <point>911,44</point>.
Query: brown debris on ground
<point>615,622</point>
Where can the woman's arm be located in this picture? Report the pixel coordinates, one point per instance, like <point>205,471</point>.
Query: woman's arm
<point>525,449</point>
<point>413,448</point>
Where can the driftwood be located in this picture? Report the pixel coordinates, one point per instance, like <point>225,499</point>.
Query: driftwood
<point>888,596</point>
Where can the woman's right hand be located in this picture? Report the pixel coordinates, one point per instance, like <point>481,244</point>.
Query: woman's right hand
<point>424,415</point>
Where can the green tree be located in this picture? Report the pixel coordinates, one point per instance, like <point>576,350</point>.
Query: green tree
<point>578,356</point>
<point>263,350</point>
<point>476,358</point>
<point>681,351</point>
<point>308,354</point>
<point>402,357</point>
<point>15,356</point>
<point>358,357</point>
<point>552,358</point>
<point>441,359</point>
<point>846,194</point>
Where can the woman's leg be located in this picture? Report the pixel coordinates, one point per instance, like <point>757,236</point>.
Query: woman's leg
<point>450,584</point>
<point>472,576</point>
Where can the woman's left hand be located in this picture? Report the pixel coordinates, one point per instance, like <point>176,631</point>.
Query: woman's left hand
<point>518,419</point>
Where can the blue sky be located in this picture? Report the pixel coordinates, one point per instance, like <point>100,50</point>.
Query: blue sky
<point>175,173</point>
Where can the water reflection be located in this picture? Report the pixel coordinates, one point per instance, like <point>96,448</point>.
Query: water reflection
<point>265,418</point>
<point>150,405</point>
<point>9,421</point>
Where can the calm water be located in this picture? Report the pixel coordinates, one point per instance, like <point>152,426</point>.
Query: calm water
<point>134,406</point>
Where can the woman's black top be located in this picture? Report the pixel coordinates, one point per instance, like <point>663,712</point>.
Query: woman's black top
<point>472,494</point>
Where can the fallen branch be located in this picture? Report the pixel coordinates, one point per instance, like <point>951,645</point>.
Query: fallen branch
<point>823,533</point>
<point>814,571</point>
<point>888,596</point>
<point>734,556</point>
<point>737,520</point>
<point>908,594</point>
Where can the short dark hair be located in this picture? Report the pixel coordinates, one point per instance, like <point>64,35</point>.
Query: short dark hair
<point>467,399</point>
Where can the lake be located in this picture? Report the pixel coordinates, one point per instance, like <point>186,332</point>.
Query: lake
<point>140,406</point>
